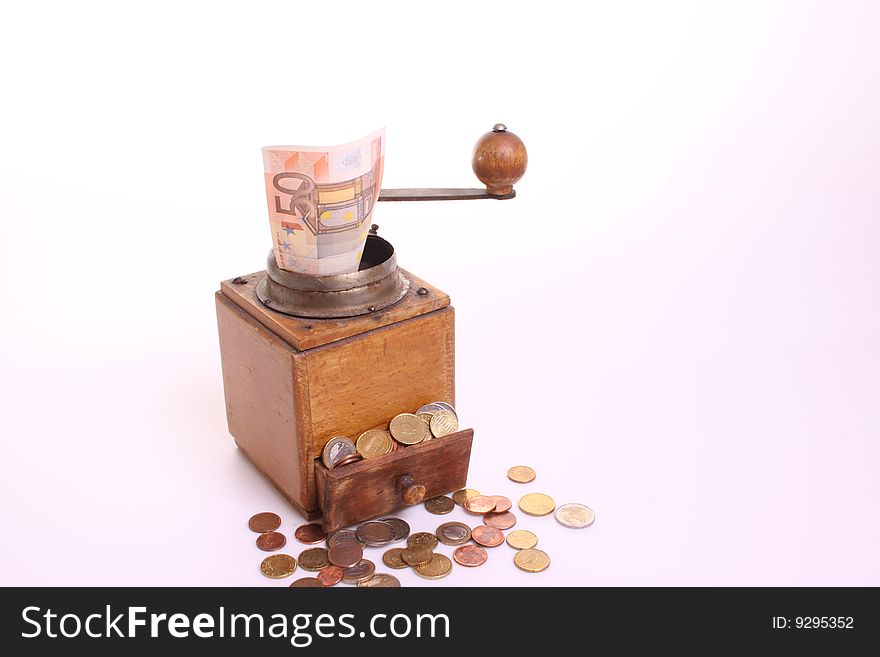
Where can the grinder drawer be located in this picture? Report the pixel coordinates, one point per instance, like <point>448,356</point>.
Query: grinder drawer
<point>374,487</point>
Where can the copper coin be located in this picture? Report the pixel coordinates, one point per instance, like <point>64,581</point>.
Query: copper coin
<point>381,580</point>
<point>277,566</point>
<point>422,538</point>
<point>346,554</point>
<point>463,495</point>
<point>504,520</point>
<point>351,458</point>
<point>375,533</point>
<point>470,555</point>
<point>271,541</point>
<point>360,572</point>
<point>502,504</point>
<point>453,533</point>
<point>488,536</point>
<point>439,566</point>
<point>264,522</point>
<point>480,504</point>
<point>310,534</point>
<point>314,559</point>
<point>306,582</point>
<point>392,558</point>
<point>521,474</point>
<point>417,555</point>
<point>342,536</point>
<point>439,505</point>
<point>400,527</point>
<point>330,575</point>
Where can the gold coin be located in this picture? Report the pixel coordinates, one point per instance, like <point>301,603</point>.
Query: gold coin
<point>443,423</point>
<point>417,555</point>
<point>521,474</point>
<point>531,560</point>
<point>537,504</point>
<point>392,558</point>
<point>422,538</point>
<point>521,539</point>
<point>277,566</point>
<point>439,566</point>
<point>314,559</point>
<point>373,443</point>
<point>360,572</point>
<point>427,418</point>
<point>408,429</point>
<point>575,516</point>
<point>381,580</point>
<point>440,505</point>
<point>463,495</point>
<point>453,533</point>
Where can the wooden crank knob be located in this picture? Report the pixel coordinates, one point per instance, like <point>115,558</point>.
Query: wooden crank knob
<point>411,491</point>
<point>499,160</point>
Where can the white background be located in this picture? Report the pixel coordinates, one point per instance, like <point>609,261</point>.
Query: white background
<point>676,322</point>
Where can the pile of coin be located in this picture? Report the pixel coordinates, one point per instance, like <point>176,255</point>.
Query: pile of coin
<point>433,420</point>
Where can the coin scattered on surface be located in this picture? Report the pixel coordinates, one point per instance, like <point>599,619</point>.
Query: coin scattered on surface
<point>521,539</point>
<point>487,536</point>
<point>400,527</point>
<point>335,450</point>
<point>271,541</point>
<point>314,559</point>
<point>531,560</point>
<point>422,538</point>
<point>453,533</point>
<point>306,582</point>
<point>310,534</point>
<point>330,575</point>
<point>480,504</point>
<point>264,522</point>
<point>393,559</point>
<point>521,474</point>
<point>443,423</point>
<point>576,516</point>
<point>470,555</point>
<point>381,580</point>
<point>360,572</point>
<point>439,566</point>
<point>346,554</point>
<point>277,566</point>
<point>375,533</point>
<point>463,495</point>
<point>373,443</point>
<point>439,505</point>
<point>537,504</point>
<point>503,520</point>
<point>342,536</point>
<point>502,503</point>
<point>408,429</point>
<point>417,554</point>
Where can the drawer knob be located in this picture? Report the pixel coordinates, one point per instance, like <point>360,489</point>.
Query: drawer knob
<point>412,491</point>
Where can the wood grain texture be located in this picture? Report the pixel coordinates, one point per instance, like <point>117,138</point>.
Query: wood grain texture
<point>370,488</point>
<point>304,334</point>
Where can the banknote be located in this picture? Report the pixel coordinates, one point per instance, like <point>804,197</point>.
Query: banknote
<point>321,203</point>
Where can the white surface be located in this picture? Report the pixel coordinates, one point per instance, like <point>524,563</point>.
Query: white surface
<point>691,267</point>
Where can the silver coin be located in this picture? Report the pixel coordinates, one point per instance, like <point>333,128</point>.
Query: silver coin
<point>342,536</point>
<point>453,533</point>
<point>447,407</point>
<point>376,533</point>
<point>432,408</point>
<point>337,449</point>
<point>400,527</point>
<point>381,580</point>
<point>576,516</point>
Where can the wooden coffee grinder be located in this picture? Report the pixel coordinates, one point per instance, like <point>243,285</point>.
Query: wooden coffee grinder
<point>306,358</point>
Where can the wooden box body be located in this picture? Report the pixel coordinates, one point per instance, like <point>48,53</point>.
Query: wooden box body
<point>291,384</point>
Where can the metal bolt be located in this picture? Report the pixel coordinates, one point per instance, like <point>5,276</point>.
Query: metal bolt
<point>372,309</point>
<point>422,291</point>
<point>499,127</point>
<point>374,229</point>
<point>239,280</point>
<point>267,301</point>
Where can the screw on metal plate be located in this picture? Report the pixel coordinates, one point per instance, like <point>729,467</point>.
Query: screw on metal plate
<point>422,291</point>
<point>372,309</point>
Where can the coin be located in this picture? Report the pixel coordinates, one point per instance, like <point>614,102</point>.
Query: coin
<point>342,536</point>
<point>373,443</point>
<point>422,538</point>
<point>537,504</point>
<point>346,554</point>
<point>392,558</point>
<point>503,520</point>
<point>375,533</point>
<point>444,405</point>
<point>463,495</point>
<point>531,560</point>
<point>480,504</point>
<point>439,566</point>
<point>488,536</point>
<point>502,504</point>
<point>348,460</point>
<point>453,533</point>
<point>271,541</point>
<point>360,572</point>
<point>521,474</point>
<point>306,582</point>
<point>417,554</point>
<point>335,450</point>
<point>576,516</point>
<point>431,408</point>
<point>314,559</point>
<point>443,423</point>
<point>330,575</point>
<point>521,539</point>
<point>310,534</point>
<point>264,522</point>
<point>381,580</point>
<point>400,527</point>
<point>439,505</point>
<point>470,555</point>
<point>408,429</point>
<point>277,566</point>
<point>427,418</point>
